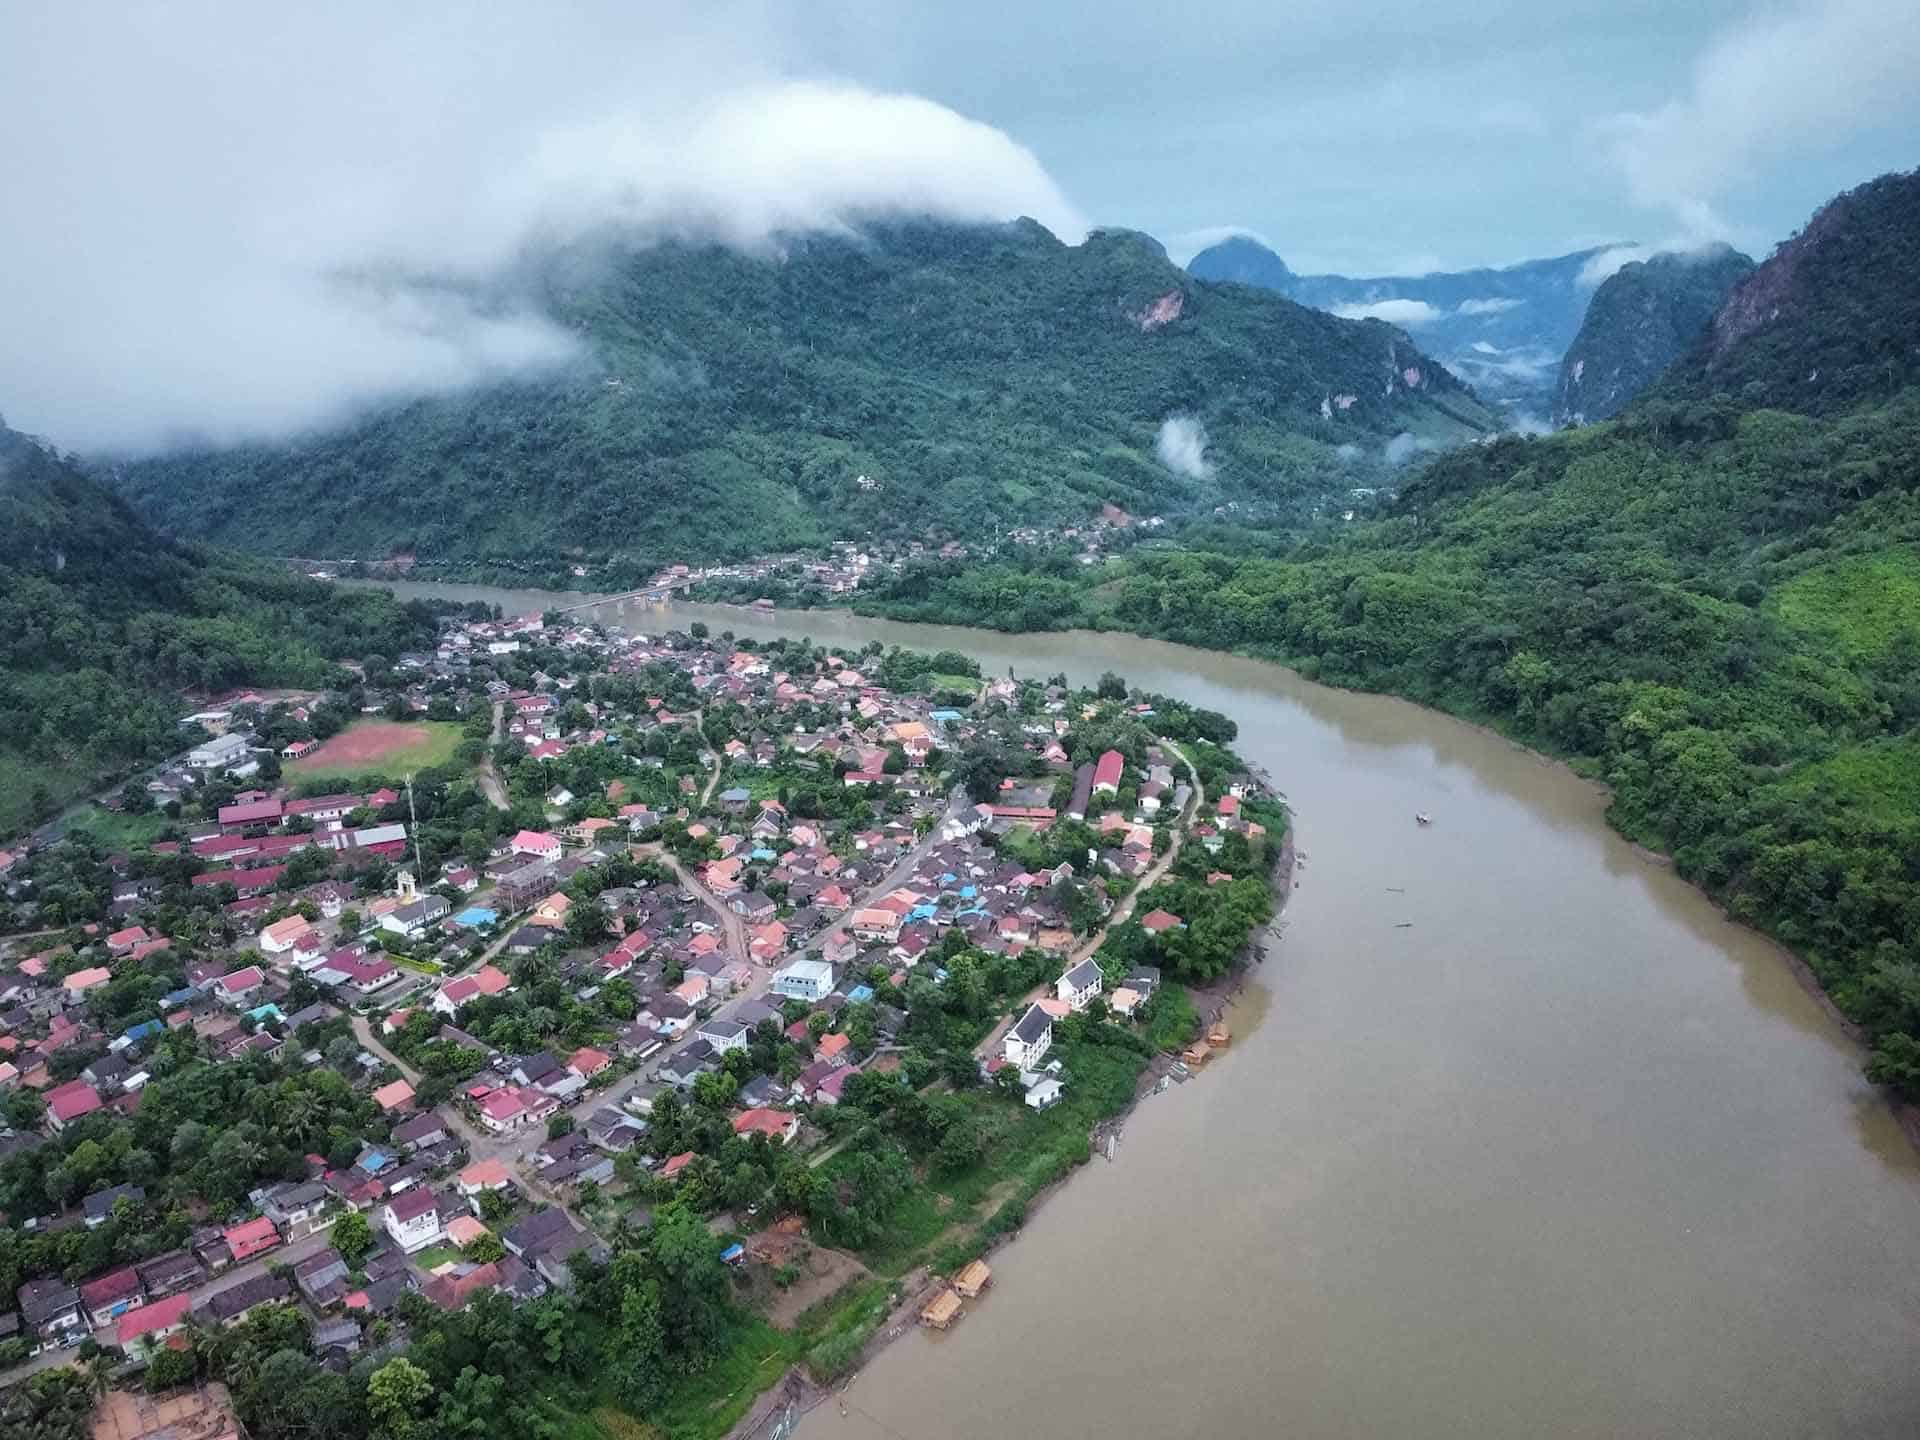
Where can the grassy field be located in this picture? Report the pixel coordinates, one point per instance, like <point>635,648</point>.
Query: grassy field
<point>935,682</point>
<point>380,747</point>
<point>117,832</point>
<point>435,1256</point>
<point>18,779</point>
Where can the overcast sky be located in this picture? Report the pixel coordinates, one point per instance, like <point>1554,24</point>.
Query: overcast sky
<point>208,206</point>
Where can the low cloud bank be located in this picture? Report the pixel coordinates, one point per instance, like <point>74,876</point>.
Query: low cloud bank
<point>245,223</point>
<point>1182,447</point>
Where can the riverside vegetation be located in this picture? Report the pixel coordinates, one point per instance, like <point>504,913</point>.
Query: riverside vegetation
<point>1712,604</point>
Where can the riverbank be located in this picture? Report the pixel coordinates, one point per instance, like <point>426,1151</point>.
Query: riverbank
<point>797,1392</point>
<point>1654,1191</point>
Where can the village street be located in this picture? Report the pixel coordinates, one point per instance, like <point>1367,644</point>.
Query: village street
<point>901,871</point>
<point>490,785</point>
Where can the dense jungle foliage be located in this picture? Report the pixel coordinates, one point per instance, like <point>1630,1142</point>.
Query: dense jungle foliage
<point>919,378</point>
<point>1711,605</point>
<point>103,625</point>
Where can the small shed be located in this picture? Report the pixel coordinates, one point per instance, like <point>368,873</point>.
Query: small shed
<point>973,1278</point>
<point>942,1311</point>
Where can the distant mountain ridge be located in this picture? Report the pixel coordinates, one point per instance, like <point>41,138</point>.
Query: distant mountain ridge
<point>1642,318</point>
<point>1501,330</point>
<point>916,377</point>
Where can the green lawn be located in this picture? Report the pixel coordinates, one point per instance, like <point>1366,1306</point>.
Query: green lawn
<point>19,778</point>
<point>434,1256</point>
<point>118,832</point>
<point>380,747</point>
<point>964,684</point>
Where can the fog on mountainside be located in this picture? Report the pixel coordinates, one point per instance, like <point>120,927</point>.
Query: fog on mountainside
<point>910,379</point>
<point>1501,330</point>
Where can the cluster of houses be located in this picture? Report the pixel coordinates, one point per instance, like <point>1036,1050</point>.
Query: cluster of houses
<point>826,912</point>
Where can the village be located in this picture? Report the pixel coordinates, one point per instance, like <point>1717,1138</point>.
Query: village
<point>685,926</point>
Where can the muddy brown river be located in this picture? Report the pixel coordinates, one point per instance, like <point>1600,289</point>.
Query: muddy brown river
<point>1518,1137</point>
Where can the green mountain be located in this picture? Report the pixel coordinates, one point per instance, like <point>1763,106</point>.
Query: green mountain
<point>1712,603</point>
<point>1641,319</point>
<point>1831,321</point>
<point>1501,330</point>
<point>104,625</point>
<point>911,378</point>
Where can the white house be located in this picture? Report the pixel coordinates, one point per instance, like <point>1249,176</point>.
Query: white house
<point>1080,985</point>
<point>283,935</point>
<point>411,920</point>
<point>537,843</point>
<point>412,1218</point>
<point>1029,1039</point>
<point>804,980</point>
<point>1044,1093</point>
<point>724,1035</point>
<point>221,754</point>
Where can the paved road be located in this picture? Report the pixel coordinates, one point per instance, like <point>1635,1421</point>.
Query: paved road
<point>714,765</point>
<point>898,875</point>
<point>732,927</point>
<point>1155,872</point>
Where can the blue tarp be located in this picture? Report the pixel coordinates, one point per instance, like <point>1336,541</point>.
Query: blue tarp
<point>860,994</point>
<point>475,916</point>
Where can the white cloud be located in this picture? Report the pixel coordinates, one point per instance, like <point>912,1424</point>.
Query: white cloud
<point>1409,313</point>
<point>1182,447</point>
<point>1403,447</point>
<point>1497,305</point>
<point>231,222</point>
<point>1607,263</point>
<point>1784,86</point>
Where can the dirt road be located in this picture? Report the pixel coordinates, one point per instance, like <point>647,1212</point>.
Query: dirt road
<point>490,784</point>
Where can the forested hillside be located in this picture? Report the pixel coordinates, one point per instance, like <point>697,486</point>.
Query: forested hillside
<point>1642,318</point>
<point>916,377</point>
<point>1712,605</point>
<point>103,625</point>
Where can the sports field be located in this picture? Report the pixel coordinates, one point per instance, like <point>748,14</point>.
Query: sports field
<point>380,747</point>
